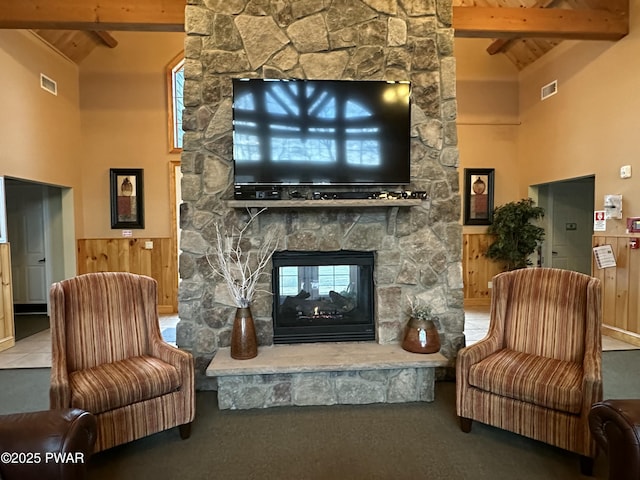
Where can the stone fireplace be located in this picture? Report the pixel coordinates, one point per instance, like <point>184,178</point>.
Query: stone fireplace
<point>417,248</point>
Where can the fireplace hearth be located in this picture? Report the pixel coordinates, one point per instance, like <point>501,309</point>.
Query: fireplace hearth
<point>323,296</point>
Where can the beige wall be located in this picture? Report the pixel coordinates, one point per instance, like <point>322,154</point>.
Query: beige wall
<point>591,125</point>
<point>39,132</point>
<point>124,125</point>
<point>487,93</point>
<point>115,109</point>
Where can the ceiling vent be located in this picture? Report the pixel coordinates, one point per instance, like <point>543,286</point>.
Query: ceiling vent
<point>549,90</point>
<point>49,85</point>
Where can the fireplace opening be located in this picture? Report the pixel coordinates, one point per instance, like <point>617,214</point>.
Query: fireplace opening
<point>323,296</point>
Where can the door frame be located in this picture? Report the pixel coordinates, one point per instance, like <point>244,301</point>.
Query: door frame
<point>174,198</point>
<point>540,194</point>
<point>61,243</point>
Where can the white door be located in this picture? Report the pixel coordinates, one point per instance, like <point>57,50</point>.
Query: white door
<point>26,233</point>
<point>572,225</point>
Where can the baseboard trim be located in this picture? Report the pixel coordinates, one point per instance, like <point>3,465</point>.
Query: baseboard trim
<point>7,342</point>
<point>619,334</point>
<point>29,308</point>
<point>166,309</point>
<point>477,302</point>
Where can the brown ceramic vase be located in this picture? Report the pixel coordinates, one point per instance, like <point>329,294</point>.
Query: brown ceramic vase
<point>244,343</point>
<point>421,336</point>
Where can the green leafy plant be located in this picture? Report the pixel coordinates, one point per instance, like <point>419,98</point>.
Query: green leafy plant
<point>419,310</point>
<point>516,237</point>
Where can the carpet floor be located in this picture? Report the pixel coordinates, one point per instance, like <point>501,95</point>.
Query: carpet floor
<point>367,442</point>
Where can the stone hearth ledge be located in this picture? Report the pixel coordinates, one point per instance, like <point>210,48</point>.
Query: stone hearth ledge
<point>324,374</point>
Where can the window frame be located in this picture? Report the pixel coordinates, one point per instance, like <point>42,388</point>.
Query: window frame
<point>174,65</point>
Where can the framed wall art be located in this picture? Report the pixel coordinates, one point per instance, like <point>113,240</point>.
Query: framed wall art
<point>127,198</point>
<point>478,196</point>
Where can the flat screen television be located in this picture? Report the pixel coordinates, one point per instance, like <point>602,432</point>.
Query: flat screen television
<point>321,132</point>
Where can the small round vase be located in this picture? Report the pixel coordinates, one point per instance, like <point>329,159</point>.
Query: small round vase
<point>244,343</point>
<point>421,336</point>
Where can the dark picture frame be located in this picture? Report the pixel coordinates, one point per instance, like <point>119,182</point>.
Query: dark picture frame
<point>478,196</point>
<point>127,198</point>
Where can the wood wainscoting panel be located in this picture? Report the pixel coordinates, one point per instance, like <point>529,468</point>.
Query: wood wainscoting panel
<point>7,334</point>
<point>620,286</point>
<point>478,270</point>
<point>130,255</point>
<point>620,289</point>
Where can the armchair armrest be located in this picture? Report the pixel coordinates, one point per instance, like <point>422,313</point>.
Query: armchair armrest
<point>466,358</point>
<point>479,350</point>
<point>57,442</point>
<point>615,425</point>
<point>184,363</point>
<point>59,390</point>
<point>180,359</point>
<point>591,382</point>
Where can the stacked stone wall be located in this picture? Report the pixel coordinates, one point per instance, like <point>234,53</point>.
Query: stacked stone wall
<point>418,249</point>
<point>326,388</point>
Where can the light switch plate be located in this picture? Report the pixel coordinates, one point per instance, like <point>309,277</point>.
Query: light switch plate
<point>625,172</point>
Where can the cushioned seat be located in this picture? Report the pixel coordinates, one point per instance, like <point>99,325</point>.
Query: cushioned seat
<point>525,377</point>
<point>114,385</point>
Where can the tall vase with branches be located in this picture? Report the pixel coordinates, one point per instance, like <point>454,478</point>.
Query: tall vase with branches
<point>242,269</point>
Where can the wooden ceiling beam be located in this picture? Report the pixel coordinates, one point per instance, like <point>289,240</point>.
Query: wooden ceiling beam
<point>97,15</point>
<point>484,22</point>
<point>106,38</point>
<point>500,44</point>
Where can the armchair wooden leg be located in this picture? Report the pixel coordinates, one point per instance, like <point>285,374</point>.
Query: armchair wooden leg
<point>465,424</point>
<point>586,466</point>
<point>185,430</point>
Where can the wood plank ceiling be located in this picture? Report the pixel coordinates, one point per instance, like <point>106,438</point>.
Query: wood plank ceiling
<point>523,30</point>
<point>76,45</point>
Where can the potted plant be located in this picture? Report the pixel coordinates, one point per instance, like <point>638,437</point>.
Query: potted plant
<point>516,237</point>
<point>421,334</point>
<point>241,269</point>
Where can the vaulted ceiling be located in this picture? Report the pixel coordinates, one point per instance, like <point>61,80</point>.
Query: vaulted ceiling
<point>523,30</point>
<point>530,28</point>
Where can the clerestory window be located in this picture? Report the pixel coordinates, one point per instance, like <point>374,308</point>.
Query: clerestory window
<point>175,89</point>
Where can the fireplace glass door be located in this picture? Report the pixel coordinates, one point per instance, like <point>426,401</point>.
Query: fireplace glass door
<point>323,296</point>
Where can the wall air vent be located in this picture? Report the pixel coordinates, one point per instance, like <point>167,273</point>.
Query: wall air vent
<point>49,85</point>
<point>549,90</point>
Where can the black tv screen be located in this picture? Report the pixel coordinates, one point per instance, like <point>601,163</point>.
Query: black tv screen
<point>321,132</point>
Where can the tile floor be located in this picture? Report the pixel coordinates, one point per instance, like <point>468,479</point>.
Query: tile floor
<point>35,351</point>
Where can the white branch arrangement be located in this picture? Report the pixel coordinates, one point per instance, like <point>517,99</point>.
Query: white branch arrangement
<point>235,266</point>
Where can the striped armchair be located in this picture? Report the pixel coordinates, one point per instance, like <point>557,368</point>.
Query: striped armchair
<point>538,370</point>
<point>109,358</point>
